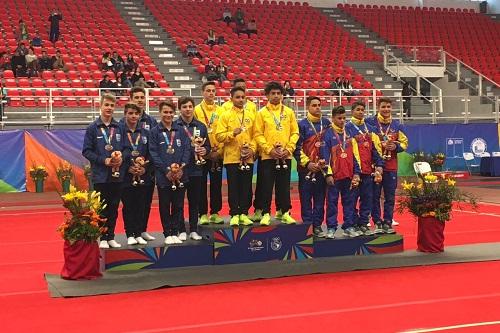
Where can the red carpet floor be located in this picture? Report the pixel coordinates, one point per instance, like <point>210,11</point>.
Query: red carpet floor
<point>390,300</point>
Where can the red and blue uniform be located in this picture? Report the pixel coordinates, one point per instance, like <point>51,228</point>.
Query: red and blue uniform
<point>393,130</point>
<point>341,152</point>
<point>370,152</point>
<point>312,194</point>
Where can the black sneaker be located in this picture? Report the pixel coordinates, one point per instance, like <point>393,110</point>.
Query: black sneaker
<point>365,230</point>
<point>318,232</point>
<point>378,228</point>
<point>388,228</point>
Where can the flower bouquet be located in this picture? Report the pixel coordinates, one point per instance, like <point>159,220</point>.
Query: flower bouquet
<point>431,201</point>
<point>38,173</point>
<point>437,161</point>
<point>64,174</point>
<point>87,172</point>
<point>81,229</point>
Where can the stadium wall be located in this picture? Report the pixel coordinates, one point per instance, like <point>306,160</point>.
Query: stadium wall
<point>414,3</point>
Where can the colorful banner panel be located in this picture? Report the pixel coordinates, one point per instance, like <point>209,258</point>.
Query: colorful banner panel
<point>12,172</point>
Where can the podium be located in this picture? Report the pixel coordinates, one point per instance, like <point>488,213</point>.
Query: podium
<point>362,245</point>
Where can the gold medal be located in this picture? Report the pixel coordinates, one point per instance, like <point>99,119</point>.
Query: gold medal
<point>135,153</point>
<point>366,144</point>
<point>343,155</point>
<point>108,147</point>
<point>317,144</point>
<point>170,150</point>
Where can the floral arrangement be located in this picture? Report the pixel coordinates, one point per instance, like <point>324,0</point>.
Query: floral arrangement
<point>87,171</point>
<point>38,172</point>
<point>83,221</point>
<point>64,171</point>
<point>436,160</point>
<point>433,196</point>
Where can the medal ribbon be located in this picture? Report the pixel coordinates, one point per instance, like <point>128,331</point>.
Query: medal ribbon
<point>276,121</point>
<point>320,134</point>
<point>105,135</point>
<point>134,146</point>
<point>387,130</point>
<point>342,144</point>
<point>242,118</point>
<point>360,131</point>
<point>190,136</point>
<point>167,140</point>
<point>212,117</point>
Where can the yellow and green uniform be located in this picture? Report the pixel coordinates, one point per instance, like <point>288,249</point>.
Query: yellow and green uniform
<point>209,115</point>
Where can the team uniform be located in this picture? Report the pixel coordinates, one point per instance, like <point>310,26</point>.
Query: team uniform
<point>312,194</point>
<point>167,147</point>
<point>275,124</point>
<point>239,182</point>
<point>389,129</point>
<point>341,151</point>
<point>370,152</point>
<point>99,142</point>
<point>209,116</point>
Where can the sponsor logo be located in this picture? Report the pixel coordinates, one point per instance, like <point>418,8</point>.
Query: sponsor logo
<point>255,245</point>
<point>478,146</point>
<point>276,243</point>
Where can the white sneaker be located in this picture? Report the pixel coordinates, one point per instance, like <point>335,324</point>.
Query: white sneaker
<point>395,223</point>
<point>169,240</point>
<point>103,244</point>
<point>183,236</point>
<point>114,244</point>
<point>176,240</point>
<point>147,236</point>
<point>141,241</point>
<point>131,241</point>
<point>194,236</point>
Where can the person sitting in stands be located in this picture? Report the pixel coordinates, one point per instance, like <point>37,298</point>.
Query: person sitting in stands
<point>222,72</point>
<point>106,63</point>
<point>21,48</point>
<point>5,62</point>
<point>221,40</point>
<point>18,63</point>
<point>117,62</point>
<point>58,62</point>
<point>239,17</point>
<point>251,28</point>
<point>125,81</point>
<point>211,71</point>
<point>226,16</point>
<point>31,62</point>
<point>136,76</point>
<point>106,83</point>
<point>192,50</point>
<point>141,83</point>
<point>211,39</point>
<point>23,31</point>
<point>130,64</point>
<point>45,62</point>
<point>36,41</point>
<point>335,86</point>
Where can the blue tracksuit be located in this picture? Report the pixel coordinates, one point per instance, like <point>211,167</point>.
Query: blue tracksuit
<point>312,194</point>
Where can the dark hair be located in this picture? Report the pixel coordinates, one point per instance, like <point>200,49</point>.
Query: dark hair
<point>131,106</point>
<point>338,110</point>
<point>309,99</point>
<point>135,90</point>
<point>168,103</point>
<point>105,76</point>
<point>235,89</point>
<point>384,100</point>
<point>356,104</point>
<point>208,83</point>
<point>238,80</point>
<point>184,100</point>
<point>273,86</point>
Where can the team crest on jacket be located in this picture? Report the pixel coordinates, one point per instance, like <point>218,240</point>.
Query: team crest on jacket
<point>118,137</point>
<point>178,141</point>
<point>144,139</point>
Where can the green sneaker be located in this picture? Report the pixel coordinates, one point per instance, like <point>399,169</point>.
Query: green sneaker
<point>279,215</point>
<point>245,220</point>
<point>235,220</point>
<point>257,216</point>
<point>287,219</point>
<point>266,219</point>
<point>204,219</point>
<point>215,218</point>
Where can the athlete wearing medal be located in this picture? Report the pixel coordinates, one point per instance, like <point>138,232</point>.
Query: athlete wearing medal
<point>341,151</point>
<point>208,113</point>
<point>133,197</point>
<point>101,138</point>
<point>169,144</point>
<point>276,123</point>
<point>308,153</point>
<point>394,141</point>
<point>370,152</point>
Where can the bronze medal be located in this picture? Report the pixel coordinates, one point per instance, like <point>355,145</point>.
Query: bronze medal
<point>366,144</point>
<point>135,153</point>
<point>343,155</point>
<point>317,144</point>
<point>108,147</point>
<point>170,150</point>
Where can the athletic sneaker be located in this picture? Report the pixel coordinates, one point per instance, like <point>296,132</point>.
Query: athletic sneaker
<point>350,232</point>
<point>215,218</point>
<point>394,222</point>
<point>330,233</point>
<point>365,230</point>
<point>388,228</point>
<point>204,219</point>
<point>245,220</point>
<point>318,232</point>
<point>358,231</point>
<point>287,219</point>
<point>235,220</point>
<point>257,215</point>
<point>279,215</point>
<point>378,228</point>
<point>266,219</point>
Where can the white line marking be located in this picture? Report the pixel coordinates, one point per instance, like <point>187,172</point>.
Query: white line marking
<point>445,328</point>
<point>316,313</point>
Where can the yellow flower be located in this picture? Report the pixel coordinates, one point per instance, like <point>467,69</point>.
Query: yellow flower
<point>420,186</point>
<point>451,182</point>
<point>430,178</point>
<point>408,186</point>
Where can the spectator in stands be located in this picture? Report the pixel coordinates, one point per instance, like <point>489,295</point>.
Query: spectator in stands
<point>288,94</point>
<point>21,48</point>
<point>221,40</point>
<point>192,50</point>
<point>239,17</point>
<point>406,93</point>
<point>107,84</point>
<point>226,16</point>
<point>31,62</point>
<point>118,64</point>
<point>211,39</point>
<point>18,63</point>
<point>23,31</point>
<point>5,63</point>
<point>240,28</point>
<point>211,71</point>
<point>106,63</point>
<point>130,64</point>
<point>251,28</point>
<point>136,76</point>
<point>36,41</point>
<point>141,83</point>
<point>45,62</point>
<point>222,72</point>
<point>347,89</point>
<point>335,86</point>
<point>125,80</point>
<point>58,62</point>
<point>54,19</point>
